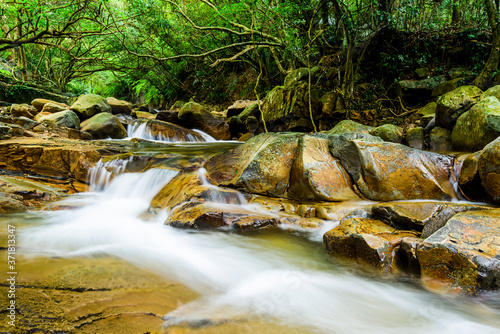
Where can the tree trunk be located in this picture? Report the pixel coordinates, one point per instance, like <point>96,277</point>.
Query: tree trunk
<point>20,53</point>
<point>489,75</point>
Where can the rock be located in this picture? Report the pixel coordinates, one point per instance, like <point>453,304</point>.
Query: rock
<point>65,118</point>
<point>236,126</point>
<point>348,126</point>
<point>104,125</point>
<point>47,130</point>
<point>23,110</point>
<point>250,111</point>
<point>365,240</point>
<point>440,140</point>
<point>290,165</point>
<point>418,89</point>
<point>177,105</point>
<point>477,127</point>
<point>415,137</point>
<point>333,107</point>
<point>246,137</point>
<point>423,72</point>
<point>119,106</point>
<point>385,171</point>
<point>5,131</point>
<point>238,107</point>
<point>489,169</point>
<point>144,115</point>
<point>492,91</point>
<point>41,114</point>
<point>194,115</point>
<point>388,132</point>
<point>23,122</point>
<point>453,104</point>
<point>88,105</point>
<point>296,76</point>
<point>421,216</point>
<point>31,192</point>
<point>469,181</point>
<point>214,215</point>
<point>53,107</point>
<point>447,86</point>
<point>406,254</point>
<point>429,109</point>
<point>460,72</point>
<point>170,116</point>
<point>464,255</point>
<point>252,124</point>
<point>55,156</point>
<point>168,131</point>
<point>10,205</point>
<point>39,103</point>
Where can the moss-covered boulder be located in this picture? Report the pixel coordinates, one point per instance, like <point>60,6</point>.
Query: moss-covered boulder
<point>492,91</point>
<point>88,105</point>
<point>415,137</point>
<point>489,169</point>
<point>65,118</point>
<point>385,171</point>
<point>464,254</point>
<point>53,107</point>
<point>453,104</point>
<point>388,132</point>
<point>478,126</point>
<point>365,240</point>
<point>104,125</point>
<point>348,126</point>
<point>194,115</point>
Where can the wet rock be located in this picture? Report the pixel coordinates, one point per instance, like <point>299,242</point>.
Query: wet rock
<point>453,104</point>
<point>89,105</point>
<point>31,192</point>
<point>5,131</point>
<point>489,169</point>
<point>119,106</point>
<point>389,171</point>
<point>169,131</point>
<point>170,116</point>
<point>10,205</point>
<point>415,137</point>
<point>388,132</point>
<point>290,165</point>
<point>348,126</point>
<point>421,216</point>
<point>65,118</point>
<point>407,255</point>
<point>478,126</point>
<point>317,175</point>
<point>366,241</point>
<point>469,181</point>
<point>464,254</point>
<point>104,125</point>
<point>53,107</point>
<point>440,140</point>
<point>23,110</point>
<point>194,115</point>
<point>214,215</point>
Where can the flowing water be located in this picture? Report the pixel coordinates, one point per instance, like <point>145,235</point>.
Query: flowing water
<point>277,276</point>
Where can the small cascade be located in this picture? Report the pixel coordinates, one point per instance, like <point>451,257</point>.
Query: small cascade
<point>455,175</point>
<point>101,174</point>
<point>142,130</point>
<point>206,136</point>
<point>218,196</point>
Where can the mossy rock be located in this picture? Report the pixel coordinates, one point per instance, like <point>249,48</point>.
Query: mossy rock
<point>388,132</point>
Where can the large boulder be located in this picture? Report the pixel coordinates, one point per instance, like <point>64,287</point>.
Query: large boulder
<point>53,107</point>
<point>453,104</point>
<point>119,106</point>
<point>194,115</point>
<point>365,240</point>
<point>89,105</point>
<point>287,165</point>
<point>385,171</point>
<point>348,126</point>
<point>464,254</point>
<point>478,126</point>
<point>489,169</point>
<point>104,125</point>
<point>65,118</point>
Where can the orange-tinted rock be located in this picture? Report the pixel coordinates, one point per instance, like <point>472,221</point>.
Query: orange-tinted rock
<point>119,106</point>
<point>464,254</point>
<point>389,171</point>
<point>366,241</point>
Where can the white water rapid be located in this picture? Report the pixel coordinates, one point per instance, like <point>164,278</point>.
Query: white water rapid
<point>273,277</point>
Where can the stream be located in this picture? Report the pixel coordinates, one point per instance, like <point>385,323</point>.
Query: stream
<point>277,276</point>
